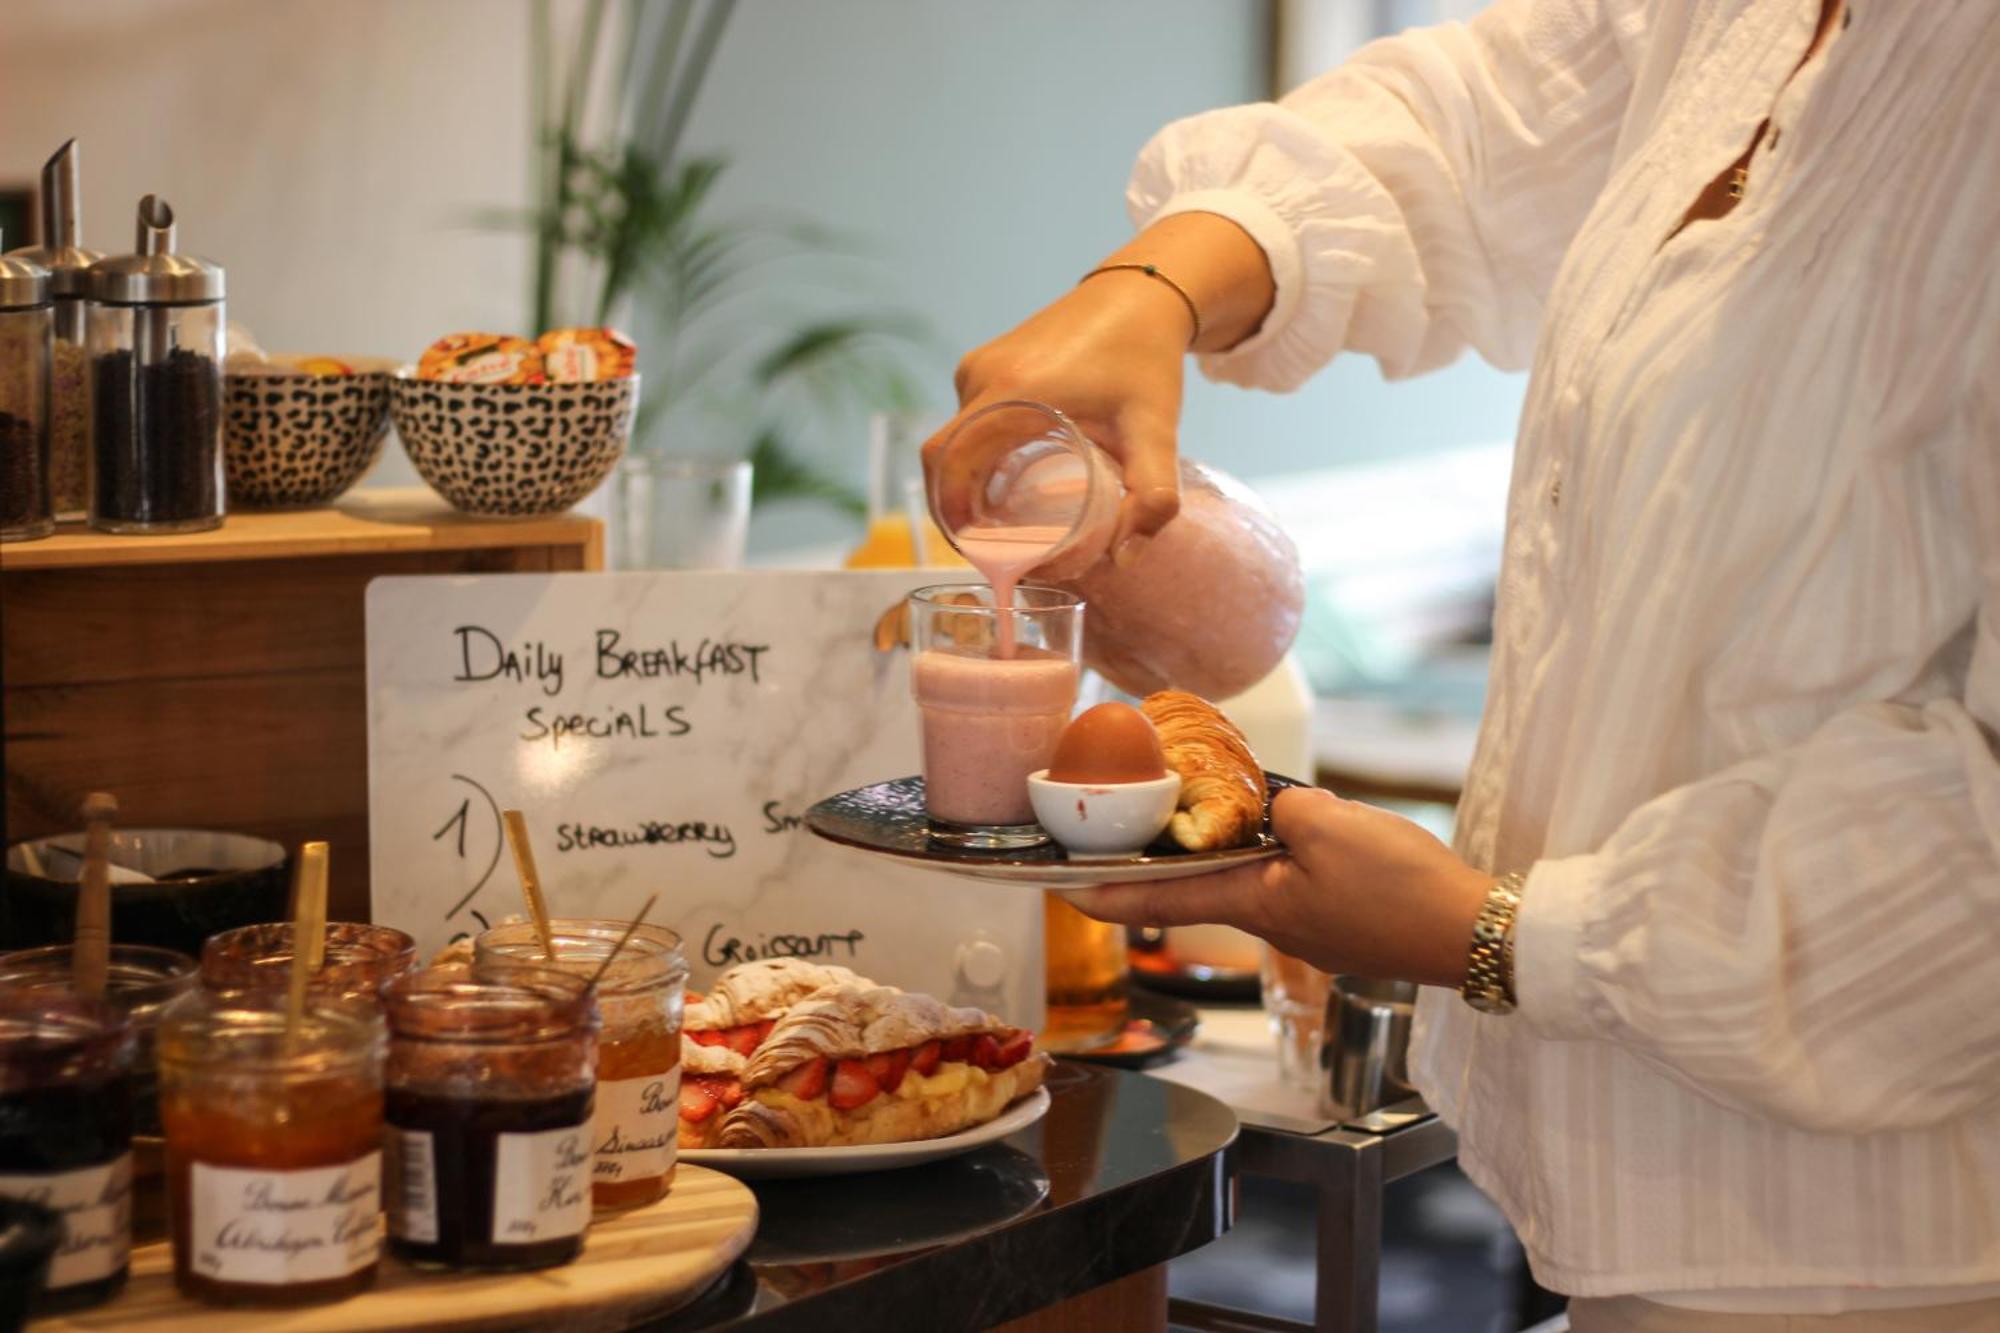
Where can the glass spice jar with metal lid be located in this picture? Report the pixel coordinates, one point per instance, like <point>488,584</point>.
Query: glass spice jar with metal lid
<point>274,1146</point>
<point>156,347</point>
<point>359,960</point>
<point>488,1102</point>
<point>141,983</point>
<point>26,346</point>
<point>62,253</point>
<point>66,1135</point>
<point>640,998</point>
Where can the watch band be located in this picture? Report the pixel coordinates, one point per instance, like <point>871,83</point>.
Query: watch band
<point>1489,971</point>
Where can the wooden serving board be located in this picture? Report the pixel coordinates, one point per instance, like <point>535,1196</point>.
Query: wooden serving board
<point>634,1265</point>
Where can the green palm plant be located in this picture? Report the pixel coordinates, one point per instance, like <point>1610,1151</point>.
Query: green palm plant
<point>624,219</point>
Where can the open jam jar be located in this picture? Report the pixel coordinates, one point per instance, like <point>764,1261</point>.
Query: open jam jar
<point>66,1133</point>
<point>141,983</point>
<point>488,1101</point>
<point>274,1146</point>
<point>639,1048</point>
<point>360,959</point>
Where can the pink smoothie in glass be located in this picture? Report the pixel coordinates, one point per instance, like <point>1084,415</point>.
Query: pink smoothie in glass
<point>988,722</point>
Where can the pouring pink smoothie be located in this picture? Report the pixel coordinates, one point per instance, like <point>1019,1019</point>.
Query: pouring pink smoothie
<point>1210,604</point>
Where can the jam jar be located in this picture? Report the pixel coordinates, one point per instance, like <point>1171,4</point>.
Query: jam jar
<point>274,1145</point>
<point>640,998</point>
<point>359,960</point>
<point>141,983</point>
<point>66,1133</point>
<point>488,1099</point>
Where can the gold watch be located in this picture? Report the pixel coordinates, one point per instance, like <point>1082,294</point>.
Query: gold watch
<point>1489,971</point>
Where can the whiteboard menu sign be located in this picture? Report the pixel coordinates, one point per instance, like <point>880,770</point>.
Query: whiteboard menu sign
<point>664,732</point>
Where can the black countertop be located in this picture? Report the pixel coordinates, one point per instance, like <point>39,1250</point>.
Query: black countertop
<point>1124,1172</point>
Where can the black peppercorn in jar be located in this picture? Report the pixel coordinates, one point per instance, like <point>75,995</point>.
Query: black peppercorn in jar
<point>156,347</point>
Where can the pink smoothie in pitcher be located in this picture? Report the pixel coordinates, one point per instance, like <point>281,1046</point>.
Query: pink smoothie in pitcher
<point>988,722</point>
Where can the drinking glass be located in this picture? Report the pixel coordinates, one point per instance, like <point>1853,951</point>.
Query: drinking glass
<point>897,536</point>
<point>1295,998</point>
<point>1087,970</point>
<point>994,688</point>
<point>683,513</point>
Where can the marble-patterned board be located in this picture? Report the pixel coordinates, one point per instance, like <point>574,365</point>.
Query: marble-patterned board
<point>666,732</point>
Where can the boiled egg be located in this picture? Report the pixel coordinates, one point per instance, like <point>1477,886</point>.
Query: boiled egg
<point>1108,744</point>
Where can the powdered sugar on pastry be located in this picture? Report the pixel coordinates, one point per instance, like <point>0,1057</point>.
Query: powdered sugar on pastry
<point>752,992</point>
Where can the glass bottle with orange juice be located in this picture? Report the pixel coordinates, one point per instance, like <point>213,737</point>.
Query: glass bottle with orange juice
<point>900,532</point>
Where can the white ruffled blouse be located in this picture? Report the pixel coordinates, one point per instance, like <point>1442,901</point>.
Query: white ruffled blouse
<point>1746,670</point>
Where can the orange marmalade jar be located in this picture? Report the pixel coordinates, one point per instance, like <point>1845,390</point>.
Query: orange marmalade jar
<point>274,1146</point>
<point>640,999</point>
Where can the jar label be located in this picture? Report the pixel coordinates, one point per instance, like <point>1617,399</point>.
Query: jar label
<point>96,1207</point>
<point>410,1179</point>
<point>541,1185</point>
<point>638,1125</point>
<point>280,1228</point>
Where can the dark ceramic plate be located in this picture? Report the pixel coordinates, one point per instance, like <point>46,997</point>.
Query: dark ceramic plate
<point>1155,1027</point>
<point>888,819</point>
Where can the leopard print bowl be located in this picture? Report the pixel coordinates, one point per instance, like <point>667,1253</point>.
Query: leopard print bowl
<point>293,440</point>
<point>513,450</point>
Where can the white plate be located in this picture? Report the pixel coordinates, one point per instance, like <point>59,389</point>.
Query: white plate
<point>887,819</point>
<point>781,1163</point>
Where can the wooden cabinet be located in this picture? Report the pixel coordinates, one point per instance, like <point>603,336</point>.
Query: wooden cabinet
<point>217,680</point>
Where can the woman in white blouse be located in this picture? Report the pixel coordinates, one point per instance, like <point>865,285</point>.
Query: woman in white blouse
<point>1735,1055</point>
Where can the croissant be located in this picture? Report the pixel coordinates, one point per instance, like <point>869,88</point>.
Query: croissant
<point>855,1065</point>
<point>1222,785</point>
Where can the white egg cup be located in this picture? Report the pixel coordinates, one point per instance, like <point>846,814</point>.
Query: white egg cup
<point>1103,819</point>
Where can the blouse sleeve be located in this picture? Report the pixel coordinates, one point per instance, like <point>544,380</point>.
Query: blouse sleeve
<point>1814,934</point>
<point>1417,199</point>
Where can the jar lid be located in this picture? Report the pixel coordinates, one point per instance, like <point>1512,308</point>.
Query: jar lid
<point>156,274</point>
<point>69,267</point>
<point>23,282</point>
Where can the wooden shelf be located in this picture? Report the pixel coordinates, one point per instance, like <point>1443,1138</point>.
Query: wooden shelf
<point>362,523</point>
<point>219,679</point>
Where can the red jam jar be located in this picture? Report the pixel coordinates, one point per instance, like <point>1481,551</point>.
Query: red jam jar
<point>360,959</point>
<point>488,1099</point>
<point>274,1146</point>
<point>66,1134</point>
<point>141,983</point>
<point>640,999</point>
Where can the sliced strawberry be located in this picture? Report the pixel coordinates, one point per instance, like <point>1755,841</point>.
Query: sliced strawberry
<point>698,1100</point>
<point>742,1040</point>
<point>807,1081</point>
<point>1015,1048</point>
<point>764,1029</point>
<point>925,1058</point>
<point>986,1051</point>
<point>889,1068</point>
<point>958,1048</point>
<point>708,1037</point>
<point>728,1091</point>
<point>853,1085</point>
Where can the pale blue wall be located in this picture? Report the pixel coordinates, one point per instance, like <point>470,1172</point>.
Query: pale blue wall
<point>981,150</point>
